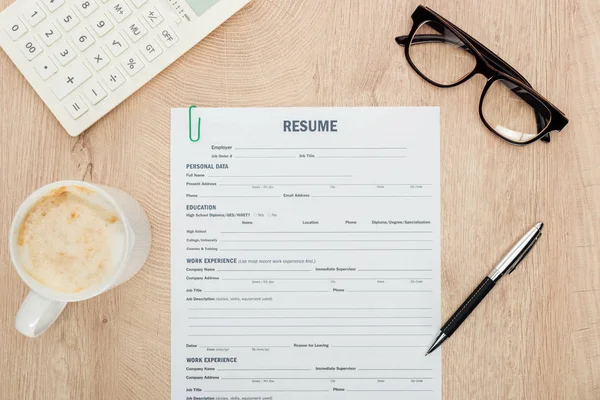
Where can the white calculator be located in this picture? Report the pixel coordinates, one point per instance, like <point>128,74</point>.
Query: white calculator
<point>84,57</point>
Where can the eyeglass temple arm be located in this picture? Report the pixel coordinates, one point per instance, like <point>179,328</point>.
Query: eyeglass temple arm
<point>490,57</point>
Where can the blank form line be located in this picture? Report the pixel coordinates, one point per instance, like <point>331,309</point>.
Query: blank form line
<point>388,390</point>
<point>260,157</point>
<point>360,197</point>
<point>264,270</point>
<point>395,378</point>
<point>264,369</point>
<point>325,240</point>
<point>308,326</point>
<point>321,148</point>
<point>265,391</point>
<point>318,308</point>
<point>389,291</point>
<point>323,184</point>
<point>347,249</point>
<point>395,369</point>
<point>385,270</point>
<point>361,156</point>
<point>266,291</point>
<point>279,176</point>
<point>315,334</point>
<point>334,317</point>
<point>325,279</point>
<point>381,347</point>
<point>285,232</point>
<point>239,197</point>
<point>244,347</point>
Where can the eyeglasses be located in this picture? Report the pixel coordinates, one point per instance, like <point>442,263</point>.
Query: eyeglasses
<point>446,56</point>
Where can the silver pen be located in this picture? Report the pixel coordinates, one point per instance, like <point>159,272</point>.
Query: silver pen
<point>508,264</point>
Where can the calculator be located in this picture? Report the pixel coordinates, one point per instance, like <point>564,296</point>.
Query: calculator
<point>84,57</point>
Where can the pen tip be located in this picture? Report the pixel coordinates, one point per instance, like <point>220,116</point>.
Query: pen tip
<point>539,226</point>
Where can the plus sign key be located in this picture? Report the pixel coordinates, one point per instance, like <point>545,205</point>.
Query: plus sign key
<point>69,79</point>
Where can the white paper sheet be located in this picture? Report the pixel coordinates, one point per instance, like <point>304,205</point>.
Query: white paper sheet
<point>305,264</point>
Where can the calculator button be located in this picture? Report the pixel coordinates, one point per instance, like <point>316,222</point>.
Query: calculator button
<point>116,44</point>
<point>152,16</point>
<point>113,78</point>
<point>168,36</point>
<point>120,10</point>
<point>101,24</point>
<point>35,15</point>
<point>132,64</point>
<point>64,53</point>
<point>98,58</point>
<point>139,3</point>
<point>31,48</point>
<point>69,79</point>
<point>82,38</point>
<point>45,67</point>
<point>49,33</point>
<point>135,30</point>
<point>53,5</point>
<point>86,7</point>
<point>76,107</point>
<point>16,29</point>
<point>150,49</point>
<point>94,92</point>
<point>68,20</point>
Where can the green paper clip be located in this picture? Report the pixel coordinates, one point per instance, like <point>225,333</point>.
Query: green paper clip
<point>190,125</point>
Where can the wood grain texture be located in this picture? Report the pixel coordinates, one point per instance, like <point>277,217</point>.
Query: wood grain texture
<point>536,337</point>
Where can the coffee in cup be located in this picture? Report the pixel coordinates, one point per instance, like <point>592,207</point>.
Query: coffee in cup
<point>71,239</point>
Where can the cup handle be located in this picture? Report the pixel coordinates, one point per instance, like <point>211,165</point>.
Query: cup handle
<point>37,314</point>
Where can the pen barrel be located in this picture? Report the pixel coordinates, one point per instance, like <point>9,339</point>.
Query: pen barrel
<point>468,306</point>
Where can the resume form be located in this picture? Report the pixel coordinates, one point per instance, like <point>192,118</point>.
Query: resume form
<point>305,253</point>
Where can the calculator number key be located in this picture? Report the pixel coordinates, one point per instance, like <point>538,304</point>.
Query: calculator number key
<point>53,5</point>
<point>83,39</point>
<point>135,30</point>
<point>113,78</point>
<point>86,7</point>
<point>94,93</point>
<point>69,79</point>
<point>152,16</point>
<point>64,53</point>
<point>35,15</point>
<point>68,20</point>
<point>45,67</point>
<point>49,33</point>
<point>102,25</point>
<point>150,49</point>
<point>133,64</point>
<point>76,107</point>
<point>120,10</point>
<point>31,48</point>
<point>168,36</point>
<point>16,29</point>
<point>98,59</point>
<point>116,44</point>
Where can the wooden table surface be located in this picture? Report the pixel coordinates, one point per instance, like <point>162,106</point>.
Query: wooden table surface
<point>536,337</point>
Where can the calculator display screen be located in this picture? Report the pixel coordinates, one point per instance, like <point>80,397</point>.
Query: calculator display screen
<point>200,6</point>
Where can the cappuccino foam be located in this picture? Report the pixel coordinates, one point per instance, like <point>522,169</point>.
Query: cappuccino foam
<point>71,239</point>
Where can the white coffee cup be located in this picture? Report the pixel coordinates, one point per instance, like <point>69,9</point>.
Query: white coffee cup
<point>43,305</point>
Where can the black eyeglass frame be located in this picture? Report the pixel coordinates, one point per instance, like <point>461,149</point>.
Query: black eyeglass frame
<point>489,65</point>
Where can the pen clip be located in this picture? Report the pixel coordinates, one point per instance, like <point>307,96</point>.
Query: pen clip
<point>524,253</point>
